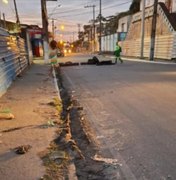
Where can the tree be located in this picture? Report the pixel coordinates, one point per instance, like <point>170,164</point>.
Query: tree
<point>135,6</point>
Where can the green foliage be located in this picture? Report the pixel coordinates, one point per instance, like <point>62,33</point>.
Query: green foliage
<point>135,6</point>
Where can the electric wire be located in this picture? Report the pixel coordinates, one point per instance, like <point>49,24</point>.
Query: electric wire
<point>95,11</point>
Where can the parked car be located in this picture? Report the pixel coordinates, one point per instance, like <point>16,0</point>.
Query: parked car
<point>67,50</point>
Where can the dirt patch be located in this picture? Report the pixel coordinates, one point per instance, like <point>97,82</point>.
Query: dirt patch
<point>78,141</point>
<point>56,158</point>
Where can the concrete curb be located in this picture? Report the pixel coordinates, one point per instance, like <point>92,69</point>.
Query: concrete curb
<point>148,61</point>
<point>136,60</point>
<point>71,167</point>
<point>55,83</point>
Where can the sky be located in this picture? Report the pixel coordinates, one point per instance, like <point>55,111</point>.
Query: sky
<point>69,13</point>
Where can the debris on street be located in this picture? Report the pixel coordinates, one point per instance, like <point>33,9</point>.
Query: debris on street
<point>106,160</point>
<point>22,149</point>
<point>57,155</point>
<point>6,114</point>
<point>76,145</point>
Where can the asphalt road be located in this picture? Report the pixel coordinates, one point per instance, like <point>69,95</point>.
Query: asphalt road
<point>132,108</point>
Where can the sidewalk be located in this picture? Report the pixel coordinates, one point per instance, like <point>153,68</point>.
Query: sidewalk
<point>27,99</point>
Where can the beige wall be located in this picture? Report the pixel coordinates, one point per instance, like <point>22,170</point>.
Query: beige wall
<point>125,21</point>
<point>165,44</point>
<point>135,28</point>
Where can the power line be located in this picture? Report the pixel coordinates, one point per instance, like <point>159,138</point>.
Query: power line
<point>72,10</point>
<point>105,2</point>
<point>61,20</point>
<point>76,14</point>
<point>76,9</point>
<point>66,21</point>
<point>95,11</point>
<point>117,5</point>
<point>63,12</point>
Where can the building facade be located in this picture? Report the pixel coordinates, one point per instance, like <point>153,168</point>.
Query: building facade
<point>124,23</point>
<point>170,4</point>
<point>165,43</point>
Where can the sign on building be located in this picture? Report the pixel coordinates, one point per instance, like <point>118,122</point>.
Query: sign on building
<point>122,36</point>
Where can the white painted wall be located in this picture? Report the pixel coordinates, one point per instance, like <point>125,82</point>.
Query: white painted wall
<point>174,6</point>
<point>151,2</point>
<point>126,21</point>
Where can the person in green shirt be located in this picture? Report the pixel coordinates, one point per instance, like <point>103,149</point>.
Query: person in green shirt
<point>117,52</point>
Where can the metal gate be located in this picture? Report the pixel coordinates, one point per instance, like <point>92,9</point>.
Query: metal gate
<point>13,59</point>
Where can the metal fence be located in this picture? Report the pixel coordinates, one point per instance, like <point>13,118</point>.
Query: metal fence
<point>13,59</point>
<point>109,42</point>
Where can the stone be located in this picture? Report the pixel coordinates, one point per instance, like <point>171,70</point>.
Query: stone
<point>7,116</point>
<point>57,155</point>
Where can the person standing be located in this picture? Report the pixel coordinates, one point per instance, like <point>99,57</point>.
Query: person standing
<point>53,56</point>
<point>53,52</point>
<point>117,53</point>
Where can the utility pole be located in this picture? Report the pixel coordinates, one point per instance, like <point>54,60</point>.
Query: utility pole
<point>4,20</point>
<point>73,36</point>
<point>0,20</point>
<point>45,29</point>
<point>93,6</point>
<point>53,28</point>
<point>100,29</point>
<point>142,28</point>
<point>16,11</point>
<point>79,28</point>
<point>153,33</point>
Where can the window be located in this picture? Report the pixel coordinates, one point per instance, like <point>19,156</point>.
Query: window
<point>123,27</point>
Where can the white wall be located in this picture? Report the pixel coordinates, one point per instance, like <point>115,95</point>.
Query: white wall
<point>151,2</point>
<point>126,21</point>
<point>174,6</point>
<point>109,42</point>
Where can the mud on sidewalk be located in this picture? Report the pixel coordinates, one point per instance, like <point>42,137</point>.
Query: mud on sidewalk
<point>75,153</point>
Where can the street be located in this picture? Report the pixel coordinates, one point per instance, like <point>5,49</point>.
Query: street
<point>88,90</point>
<point>132,109</point>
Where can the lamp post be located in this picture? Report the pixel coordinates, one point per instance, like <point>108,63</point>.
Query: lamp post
<point>45,29</point>
<point>93,6</point>
<point>49,17</point>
